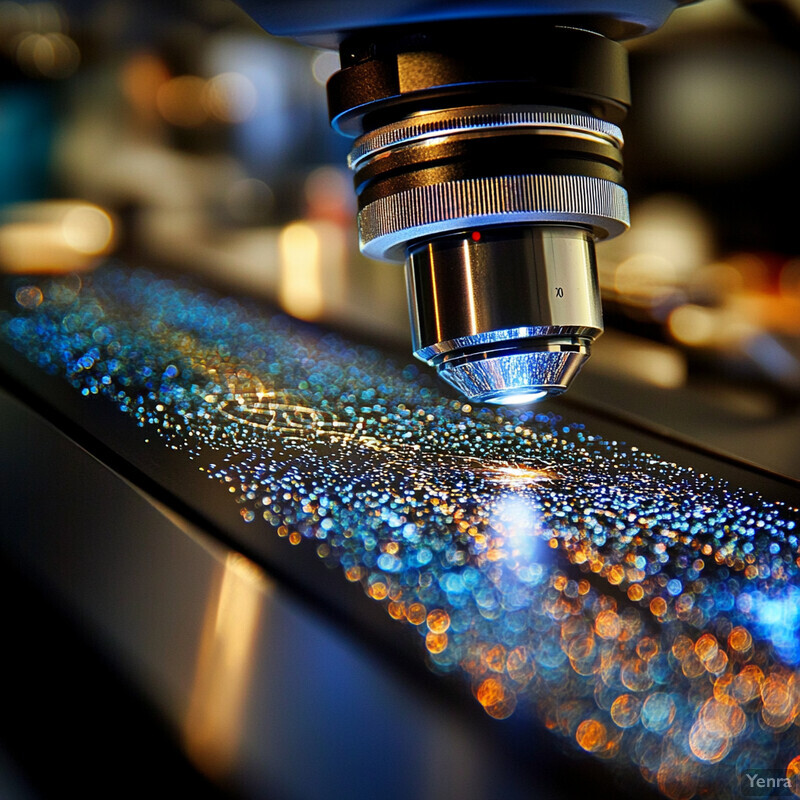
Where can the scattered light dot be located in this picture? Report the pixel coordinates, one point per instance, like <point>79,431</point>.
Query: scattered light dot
<point>436,642</point>
<point>625,710</point>
<point>491,691</point>
<point>29,296</point>
<point>740,639</point>
<point>658,712</point>
<point>324,65</point>
<point>591,735</point>
<point>230,97</point>
<point>793,774</point>
<point>438,620</point>
<point>607,625</point>
<point>180,101</point>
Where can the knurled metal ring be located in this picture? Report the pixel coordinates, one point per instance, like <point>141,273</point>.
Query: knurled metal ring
<point>389,224</point>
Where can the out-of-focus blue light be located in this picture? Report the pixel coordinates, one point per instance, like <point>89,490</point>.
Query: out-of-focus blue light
<point>778,620</point>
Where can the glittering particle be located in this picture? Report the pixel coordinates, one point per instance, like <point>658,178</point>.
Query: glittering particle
<point>740,639</point>
<point>779,702</point>
<point>396,610</point>
<point>625,710</point>
<point>490,692</point>
<point>582,649</point>
<point>682,647</point>
<point>438,620</point>
<point>719,717</point>
<point>709,746</point>
<point>658,712</point>
<point>616,574</point>
<point>706,647</point>
<point>436,642</point>
<point>635,592</point>
<point>512,475</point>
<point>29,296</point>
<point>591,735</point>
<point>647,648</point>
<point>747,684</point>
<point>793,775</point>
<point>635,676</point>
<point>495,658</point>
<point>674,587</point>
<point>675,778</point>
<point>639,608</point>
<point>519,665</point>
<point>503,708</point>
<point>416,613</point>
<point>658,606</point>
<point>378,590</point>
<point>607,624</point>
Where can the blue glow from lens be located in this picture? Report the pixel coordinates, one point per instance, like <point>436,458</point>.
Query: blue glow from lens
<point>519,398</point>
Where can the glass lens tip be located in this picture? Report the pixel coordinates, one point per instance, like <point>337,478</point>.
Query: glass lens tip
<point>519,398</point>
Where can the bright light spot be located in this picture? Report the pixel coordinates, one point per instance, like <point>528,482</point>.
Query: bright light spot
<point>663,368</point>
<point>516,474</point>
<point>516,516</point>
<point>230,97</point>
<point>790,277</point>
<point>141,78</point>
<point>29,296</point>
<point>179,101</point>
<point>51,55</point>
<point>329,195</point>
<point>694,325</point>
<point>87,229</point>
<point>725,111</point>
<point>44,17</point>
<point>300,289</point>
<point>324,65</point>
<point>225,662</point>
<point>518,399</point>
<point>645,276</point>
<point>650,362</point>
<point>54,236</point>
<point>778,619</point>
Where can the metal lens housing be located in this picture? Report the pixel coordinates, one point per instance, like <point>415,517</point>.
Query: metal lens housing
<point>492,184</point>
<point>509,315</point>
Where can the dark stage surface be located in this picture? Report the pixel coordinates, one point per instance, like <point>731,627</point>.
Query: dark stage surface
<point>359,586</point>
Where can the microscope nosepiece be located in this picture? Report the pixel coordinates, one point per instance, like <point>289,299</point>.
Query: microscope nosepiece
<point>492,180</point>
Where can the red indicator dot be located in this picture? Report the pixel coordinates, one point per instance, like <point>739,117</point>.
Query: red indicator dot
<point>476,236</point>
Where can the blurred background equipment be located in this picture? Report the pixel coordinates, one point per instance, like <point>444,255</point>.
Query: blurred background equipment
<point>188,136</point>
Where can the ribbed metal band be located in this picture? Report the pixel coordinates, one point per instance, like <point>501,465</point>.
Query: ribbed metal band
<point>464,120</point>
<point>388,224</point>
